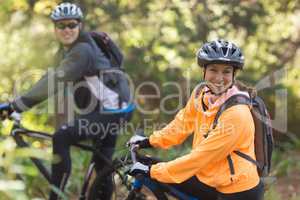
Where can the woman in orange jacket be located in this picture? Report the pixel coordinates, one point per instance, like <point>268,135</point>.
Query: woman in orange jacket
<point>205,172</point>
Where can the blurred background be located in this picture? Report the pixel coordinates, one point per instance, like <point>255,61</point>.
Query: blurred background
<point>159,39</point>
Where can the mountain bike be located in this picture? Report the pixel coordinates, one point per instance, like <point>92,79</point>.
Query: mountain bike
<point>160,190</point>
<point>22,135</point>
<point>125,186</point>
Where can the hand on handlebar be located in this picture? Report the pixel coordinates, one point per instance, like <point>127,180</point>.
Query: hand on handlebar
<point>5,110</point>
<point>139,169</point>
<point>141,141</point>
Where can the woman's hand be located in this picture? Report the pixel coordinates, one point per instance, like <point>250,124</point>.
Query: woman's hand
<point>139,168</point>
<point>141,141</point>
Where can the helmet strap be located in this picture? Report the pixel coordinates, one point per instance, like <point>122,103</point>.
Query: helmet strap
<point>204,71</point>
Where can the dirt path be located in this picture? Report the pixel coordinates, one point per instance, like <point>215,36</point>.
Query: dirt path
<point>288,187</point>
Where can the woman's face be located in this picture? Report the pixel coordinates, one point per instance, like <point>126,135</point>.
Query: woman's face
<point>219,77</point>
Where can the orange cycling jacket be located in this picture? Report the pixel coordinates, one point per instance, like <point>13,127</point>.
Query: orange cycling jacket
<point>208,157</point>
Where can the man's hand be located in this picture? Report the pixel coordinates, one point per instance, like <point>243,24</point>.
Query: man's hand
<point>141,141</point>
<point>5,110</point>
<point>139,168</point>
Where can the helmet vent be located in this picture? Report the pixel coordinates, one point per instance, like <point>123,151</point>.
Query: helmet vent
<point>224,50</point>
<point>232,51</point>
<point>220,51</point>
<point>214,47</point>
<point>65,10</point>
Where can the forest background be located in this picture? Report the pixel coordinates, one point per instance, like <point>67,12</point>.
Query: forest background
<point>159,39</point>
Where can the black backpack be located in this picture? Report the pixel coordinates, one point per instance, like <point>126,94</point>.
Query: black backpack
<point>263,138</point>
<point>116,79</point>
<point>110,49</point>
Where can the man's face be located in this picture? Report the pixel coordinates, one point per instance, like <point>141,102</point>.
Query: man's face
<point>67,31</point>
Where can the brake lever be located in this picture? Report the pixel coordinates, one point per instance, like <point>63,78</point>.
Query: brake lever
<point>133,149</point>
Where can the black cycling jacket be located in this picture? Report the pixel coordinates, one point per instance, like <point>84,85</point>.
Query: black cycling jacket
<point>83,59</point>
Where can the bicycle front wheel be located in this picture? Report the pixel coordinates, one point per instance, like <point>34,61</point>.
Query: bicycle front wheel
<point>110,183</point>
<point>121,187</point>
<point>146,194</point>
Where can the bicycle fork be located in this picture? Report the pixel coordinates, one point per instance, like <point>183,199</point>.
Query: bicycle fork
<point>135,192</point>
<point>87,177</point>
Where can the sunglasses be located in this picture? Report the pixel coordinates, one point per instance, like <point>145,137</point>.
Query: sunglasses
<point>62,26</point>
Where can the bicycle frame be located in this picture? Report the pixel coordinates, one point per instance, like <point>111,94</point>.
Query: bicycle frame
<point>17,132</point>
<point>149,183</point>
<point>139,182</point>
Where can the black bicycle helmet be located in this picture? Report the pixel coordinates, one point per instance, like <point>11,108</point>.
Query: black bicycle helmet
<point>220,51</point>
<point>66,11</point>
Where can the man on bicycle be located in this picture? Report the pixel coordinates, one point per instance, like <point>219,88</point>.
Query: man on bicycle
<point>98,108</point>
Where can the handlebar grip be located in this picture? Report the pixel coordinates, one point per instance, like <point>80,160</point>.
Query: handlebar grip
<point>133,153</point>
<point>16,116</point>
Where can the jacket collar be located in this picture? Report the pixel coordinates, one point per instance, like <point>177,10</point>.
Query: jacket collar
<point>214,106</point>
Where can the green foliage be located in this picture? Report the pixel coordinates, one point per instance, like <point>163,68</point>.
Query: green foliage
<point>286,163</point>
<point>10,187</point>
<point>14,166</point>
<point>272,194</point>
<point>159,39</point>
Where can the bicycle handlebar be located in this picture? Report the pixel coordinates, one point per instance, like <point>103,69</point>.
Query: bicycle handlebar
<point>133,152</point>
<point>16,117</point>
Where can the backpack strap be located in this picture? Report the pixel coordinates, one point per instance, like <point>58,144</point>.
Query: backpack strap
<point>100,43</point>
<point>110,49</point>
<point>245,156</point>
<point>231,168</point>
<point>233,100</point>
<point>242,155</point>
